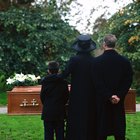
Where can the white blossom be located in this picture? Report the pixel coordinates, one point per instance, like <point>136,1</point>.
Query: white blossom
<point>21,79</point>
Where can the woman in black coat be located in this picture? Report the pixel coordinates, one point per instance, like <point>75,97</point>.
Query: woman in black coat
<point>81,112</point>
<point>113,77</point>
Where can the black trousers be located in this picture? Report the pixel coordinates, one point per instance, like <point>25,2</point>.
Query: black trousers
<point>53,127</point>
<point>116,138</point>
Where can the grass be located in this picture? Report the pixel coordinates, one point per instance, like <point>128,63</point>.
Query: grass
<point>31,127</point>
<point>3,98</point>
<point>21,128</point>
<point>133,127</point>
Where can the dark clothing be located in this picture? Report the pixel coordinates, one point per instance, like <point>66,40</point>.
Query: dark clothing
<point>54,96</point>
<point>53,126</point>
<point>112,75</point>
<point>81,112</point>
<point>116,138</point>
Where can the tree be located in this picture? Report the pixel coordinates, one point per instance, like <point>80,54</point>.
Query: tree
<point>125,24</point>
<point>4,4</point>
<point>32,36</point>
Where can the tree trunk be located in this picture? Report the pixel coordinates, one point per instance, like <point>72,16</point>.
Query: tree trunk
<point>4,4</point>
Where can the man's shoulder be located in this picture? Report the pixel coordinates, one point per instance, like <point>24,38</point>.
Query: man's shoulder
<point>123,59</point>
<point>99,58</point>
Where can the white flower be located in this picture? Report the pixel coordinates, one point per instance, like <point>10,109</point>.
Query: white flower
<point>38,77</point>
<point>10,81</point>
<point>31,77</point>
<point>21,79</point>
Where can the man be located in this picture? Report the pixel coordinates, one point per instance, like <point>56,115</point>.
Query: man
<point>81,109</point>
<point>54,96</point>
<point>112,76</point>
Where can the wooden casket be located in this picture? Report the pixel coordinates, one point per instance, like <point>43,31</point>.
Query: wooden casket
<point>26,100</point>
<point>130,101</point>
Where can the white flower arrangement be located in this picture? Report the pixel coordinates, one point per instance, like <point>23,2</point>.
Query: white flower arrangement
<point>23,80</point>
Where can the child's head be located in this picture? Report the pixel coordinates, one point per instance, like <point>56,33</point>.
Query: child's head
<point>53,67</point>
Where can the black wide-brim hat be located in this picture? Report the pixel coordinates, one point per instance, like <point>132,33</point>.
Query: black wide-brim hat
<point>84,43</point>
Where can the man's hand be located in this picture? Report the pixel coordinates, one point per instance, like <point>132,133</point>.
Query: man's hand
<point>115,99</point>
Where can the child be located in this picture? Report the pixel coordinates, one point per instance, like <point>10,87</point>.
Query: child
<point>54,96</point>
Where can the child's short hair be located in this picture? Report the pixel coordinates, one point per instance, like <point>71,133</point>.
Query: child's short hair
<point>53,67</point>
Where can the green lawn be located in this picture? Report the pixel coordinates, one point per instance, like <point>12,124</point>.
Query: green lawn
<point>31,127</point>
<point>21,128</point>
<point>3,98</point>
<point>133,127</point>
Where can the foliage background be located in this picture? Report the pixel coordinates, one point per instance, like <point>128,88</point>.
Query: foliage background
<point>125,24</point>
<point>30,36</point>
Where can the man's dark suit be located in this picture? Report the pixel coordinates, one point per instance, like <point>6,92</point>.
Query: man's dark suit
<point>112,75</point>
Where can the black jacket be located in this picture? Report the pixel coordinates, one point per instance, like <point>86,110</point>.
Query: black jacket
<point>112,74</point>
<point>54,96</point>
<point>81,110</point>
